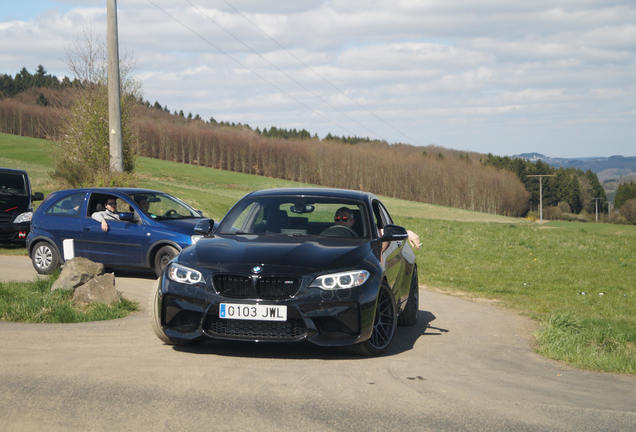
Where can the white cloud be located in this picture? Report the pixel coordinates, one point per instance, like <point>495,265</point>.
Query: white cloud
<point>522,74</point>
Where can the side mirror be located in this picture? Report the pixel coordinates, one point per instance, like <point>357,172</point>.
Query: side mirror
<point>204,227</point>
<point>126,216</point>
<point>37,196</point>
<point>393,233</point>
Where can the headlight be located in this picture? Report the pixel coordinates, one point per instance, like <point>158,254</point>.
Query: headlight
<point>348,279</point>
<point>195,238</point>
<point>182,274</point>
<point>23,217</point>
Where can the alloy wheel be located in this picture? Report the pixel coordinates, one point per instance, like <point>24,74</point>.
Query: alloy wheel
<point>43,257</point>
<point>384,322</point>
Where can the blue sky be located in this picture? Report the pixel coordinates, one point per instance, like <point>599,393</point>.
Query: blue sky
<point>491,76</point>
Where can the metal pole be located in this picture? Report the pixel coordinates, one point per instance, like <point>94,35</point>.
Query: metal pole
<point>596,203</point>
<point>540,199</point>
<point>541,193</point>
<point>114,108</point>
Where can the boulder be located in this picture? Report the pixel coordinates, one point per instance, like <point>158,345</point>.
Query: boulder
<point>100,289</point>
<point>76,272</point>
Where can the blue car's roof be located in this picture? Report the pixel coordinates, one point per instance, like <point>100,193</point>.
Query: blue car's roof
<point>124,190</point>
<point>328,192</point>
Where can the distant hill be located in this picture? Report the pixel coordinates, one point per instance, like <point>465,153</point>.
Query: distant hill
<point>611,171</point>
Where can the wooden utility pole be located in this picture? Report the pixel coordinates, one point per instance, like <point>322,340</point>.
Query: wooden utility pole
<point>541,193</point>
<point>114,107</point>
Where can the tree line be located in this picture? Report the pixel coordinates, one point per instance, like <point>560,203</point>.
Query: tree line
<point>571,189</point>
<point>433,175</point>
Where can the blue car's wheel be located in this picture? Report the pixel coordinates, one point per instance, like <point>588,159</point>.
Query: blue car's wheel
<point>163,256</point>
<point>44,257</point>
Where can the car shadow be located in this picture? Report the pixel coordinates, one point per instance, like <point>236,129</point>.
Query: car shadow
<point>404,340</point>
<point>128,273</point>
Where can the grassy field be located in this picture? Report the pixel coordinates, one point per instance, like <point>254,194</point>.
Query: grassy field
<point>34,302</point>
<point>578,280</point>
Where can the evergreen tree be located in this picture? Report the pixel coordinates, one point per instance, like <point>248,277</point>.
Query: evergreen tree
<point>625,192</point>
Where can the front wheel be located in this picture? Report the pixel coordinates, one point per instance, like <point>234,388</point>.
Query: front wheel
<point>384,324</point>
<point>44,257</point>
<point>163,256</point>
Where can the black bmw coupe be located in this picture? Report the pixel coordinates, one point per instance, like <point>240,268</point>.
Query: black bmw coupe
<point>286,265</point>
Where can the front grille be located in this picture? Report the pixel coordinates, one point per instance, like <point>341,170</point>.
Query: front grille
<point>6,217</point>
<point>257,330</point>
<point>266,288</point>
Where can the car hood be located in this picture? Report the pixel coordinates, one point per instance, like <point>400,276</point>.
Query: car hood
<point>239,254</point>
<point>185,226</point>
<point>12,204</point>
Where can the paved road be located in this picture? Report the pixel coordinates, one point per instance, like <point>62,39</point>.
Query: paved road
<point>473,369</point>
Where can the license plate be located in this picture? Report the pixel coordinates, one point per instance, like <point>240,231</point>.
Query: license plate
<point>258,312</point>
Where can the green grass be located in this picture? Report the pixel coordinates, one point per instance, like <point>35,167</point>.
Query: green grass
<point>34,302</point>
<point>540,271</point>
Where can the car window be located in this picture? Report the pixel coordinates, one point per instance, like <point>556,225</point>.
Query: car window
<point>69,205</point>
<point>296,216</point>
<point>162,206</point>
<point>12,184</point>
<point>385,214</point>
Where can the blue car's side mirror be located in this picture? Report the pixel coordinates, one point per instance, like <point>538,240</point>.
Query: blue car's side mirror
<point>204,227</point>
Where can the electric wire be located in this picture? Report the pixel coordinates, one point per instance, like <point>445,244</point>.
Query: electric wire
<point>325,79</point>
<point>289,76</point>
<point>237,61</point>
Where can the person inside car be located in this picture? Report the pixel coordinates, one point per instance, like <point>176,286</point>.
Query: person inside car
<point>109,214</point>
<point>144,207</point>
<point>344,216</point>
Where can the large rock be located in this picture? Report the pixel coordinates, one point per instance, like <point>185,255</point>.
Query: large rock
<point>76,272</point>
<point>100,289</point>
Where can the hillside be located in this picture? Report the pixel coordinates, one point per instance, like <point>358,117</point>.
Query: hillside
<point>430,174</point>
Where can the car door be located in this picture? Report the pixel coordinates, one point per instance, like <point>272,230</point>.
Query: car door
<point>393,258</point>
<point>122,245</point>
<point>62,218</point>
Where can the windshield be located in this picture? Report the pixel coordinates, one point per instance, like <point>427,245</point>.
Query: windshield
<point>297,216</point>
<point>12,184</point>
<point>161,206</point>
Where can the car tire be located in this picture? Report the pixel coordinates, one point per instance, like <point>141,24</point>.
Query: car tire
<point>163,257</point>
<point>155,312</point>
<point>408,317</point>
<point>45,257</point>
<point>384,325</point>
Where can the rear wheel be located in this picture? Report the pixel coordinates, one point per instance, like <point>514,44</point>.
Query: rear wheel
<point>408,317</point>
<point>163,256</point>
<point>44,257</point>
<point>384,324</point>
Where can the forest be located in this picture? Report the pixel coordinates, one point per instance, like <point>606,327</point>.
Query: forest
<point>37,105</point>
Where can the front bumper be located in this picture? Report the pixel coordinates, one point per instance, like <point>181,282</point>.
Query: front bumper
<point>325,318</point>
<point>14,233</point>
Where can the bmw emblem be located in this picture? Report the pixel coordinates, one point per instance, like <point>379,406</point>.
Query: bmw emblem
<point>257,269</point>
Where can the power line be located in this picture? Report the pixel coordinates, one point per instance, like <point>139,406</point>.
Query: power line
<point>225,53</point>
<point>316,73</point>
<point>290,77</point>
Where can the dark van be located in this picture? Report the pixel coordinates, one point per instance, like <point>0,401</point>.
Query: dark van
<point>16,207</point>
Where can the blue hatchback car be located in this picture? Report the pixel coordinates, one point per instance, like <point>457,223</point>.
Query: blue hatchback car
<point>152,228</point>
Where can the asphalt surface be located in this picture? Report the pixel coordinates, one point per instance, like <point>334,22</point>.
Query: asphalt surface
<point>472,369</point>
